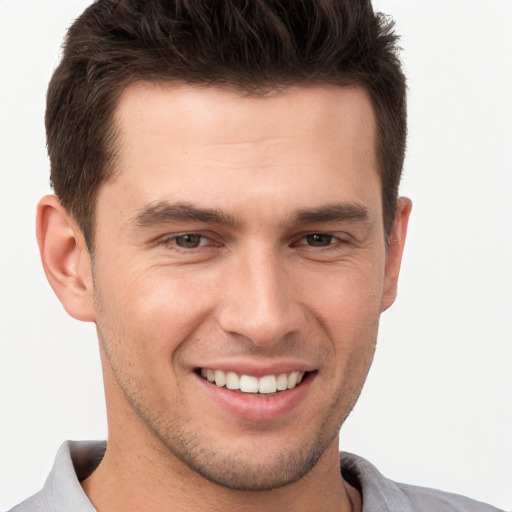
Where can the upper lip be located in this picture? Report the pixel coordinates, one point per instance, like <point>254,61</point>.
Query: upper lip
<point>257,369</point>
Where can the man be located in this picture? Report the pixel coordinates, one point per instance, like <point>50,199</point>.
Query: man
<point>226,212</point>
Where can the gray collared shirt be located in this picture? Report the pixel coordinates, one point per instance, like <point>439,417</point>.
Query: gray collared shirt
<point>62,491</point>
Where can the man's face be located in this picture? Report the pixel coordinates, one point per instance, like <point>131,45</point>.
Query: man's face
<point>241,238</point>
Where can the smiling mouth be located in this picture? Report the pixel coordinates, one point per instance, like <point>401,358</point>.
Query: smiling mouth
<point>266,385</point>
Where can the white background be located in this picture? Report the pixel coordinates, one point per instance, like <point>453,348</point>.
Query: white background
<point>437,408</point>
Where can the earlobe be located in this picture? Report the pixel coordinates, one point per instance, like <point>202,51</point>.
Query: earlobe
<point>395,251</point>
<point>66,260</point>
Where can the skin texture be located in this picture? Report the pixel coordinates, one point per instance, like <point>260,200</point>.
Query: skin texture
<point>253,290</point>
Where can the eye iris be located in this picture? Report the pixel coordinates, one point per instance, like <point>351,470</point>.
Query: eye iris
<point>188,241</point>
<point>319,239</point>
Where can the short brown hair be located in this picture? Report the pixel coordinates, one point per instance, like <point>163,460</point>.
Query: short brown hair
<point>251,46</point>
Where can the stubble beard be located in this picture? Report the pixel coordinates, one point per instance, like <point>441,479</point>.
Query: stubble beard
<point>241,472</point>
<point>177,439</point>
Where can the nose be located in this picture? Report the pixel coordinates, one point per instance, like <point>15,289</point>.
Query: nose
<point>260,301</point>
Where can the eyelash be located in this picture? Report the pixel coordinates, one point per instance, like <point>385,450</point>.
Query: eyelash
<point>206,241</point>
<point>173,240</point>
<point>332,242</point>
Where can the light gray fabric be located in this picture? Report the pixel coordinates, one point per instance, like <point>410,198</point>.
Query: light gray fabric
<point>62,491</point>
<point>76,460</point>
<point>383,495</point>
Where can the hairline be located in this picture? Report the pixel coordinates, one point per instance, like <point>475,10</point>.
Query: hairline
<point>112,167</point>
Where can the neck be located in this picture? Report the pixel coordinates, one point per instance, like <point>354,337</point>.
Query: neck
<point>138,472</point>
<point>140,476</point>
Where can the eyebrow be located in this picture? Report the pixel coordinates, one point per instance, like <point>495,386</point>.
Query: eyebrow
<point>163,212</point>
<point>339,212</point>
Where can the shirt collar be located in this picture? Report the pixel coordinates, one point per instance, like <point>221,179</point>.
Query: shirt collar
<point>76,460</point>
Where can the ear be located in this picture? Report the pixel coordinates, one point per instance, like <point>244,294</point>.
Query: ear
<point>395,250</point>
<point>66,260</point>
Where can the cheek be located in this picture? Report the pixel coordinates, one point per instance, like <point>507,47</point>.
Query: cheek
<point>151,312</point>
<point>350,296</point>
<point>349,314</point>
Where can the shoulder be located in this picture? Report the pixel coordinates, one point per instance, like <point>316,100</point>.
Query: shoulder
<point>62,491</point>
<point>431,499</point>
<point>382,495</point>
<point>36,503</point>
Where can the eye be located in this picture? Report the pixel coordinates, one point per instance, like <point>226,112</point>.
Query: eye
<point>318,240</point>
<point>190,240</point>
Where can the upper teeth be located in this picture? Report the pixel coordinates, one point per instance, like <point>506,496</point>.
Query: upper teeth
<point>251,384</point>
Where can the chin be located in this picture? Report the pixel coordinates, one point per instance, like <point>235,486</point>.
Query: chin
<point>256,466</point>
<point>243,474</point>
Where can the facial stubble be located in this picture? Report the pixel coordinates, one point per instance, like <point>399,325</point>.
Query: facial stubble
<point>177,439</point>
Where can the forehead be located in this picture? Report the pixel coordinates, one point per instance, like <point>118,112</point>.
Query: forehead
<point>210,115</point>
<point>177,140</point>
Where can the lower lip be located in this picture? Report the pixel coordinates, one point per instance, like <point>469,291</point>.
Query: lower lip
<point>257,408</point>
